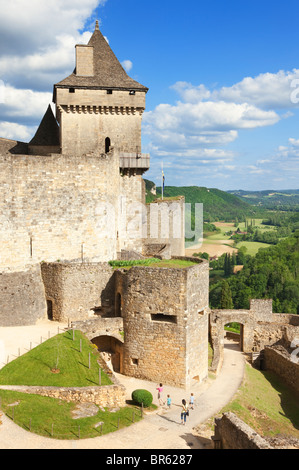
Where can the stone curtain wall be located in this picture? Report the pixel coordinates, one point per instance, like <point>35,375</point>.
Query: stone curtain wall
<point>22,298</point>
<point>75,289</point>
<point>52,209</point>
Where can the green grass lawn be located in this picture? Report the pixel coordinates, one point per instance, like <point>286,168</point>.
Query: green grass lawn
<point>60,352</point>
<point>266,404</point>
<point>52,418</point>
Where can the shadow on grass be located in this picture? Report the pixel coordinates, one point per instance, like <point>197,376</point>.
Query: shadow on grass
<point>288,398</point>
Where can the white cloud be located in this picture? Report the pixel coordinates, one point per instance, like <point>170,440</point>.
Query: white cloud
<point>127,65</point>
<point>23,103</point>
<point>192,128</point>
<point>267,91</point>
<point>14,131</point>
<point>37,42</point>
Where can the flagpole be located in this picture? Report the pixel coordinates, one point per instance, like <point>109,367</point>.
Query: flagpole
<point>162,183</point>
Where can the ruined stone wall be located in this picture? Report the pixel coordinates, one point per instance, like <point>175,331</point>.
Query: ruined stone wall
<point>53,208</point>
<point>22,297</point>
<point>232,433</point>
<point>280,362</point>
<point>106,395</point>
<point>76,289</point>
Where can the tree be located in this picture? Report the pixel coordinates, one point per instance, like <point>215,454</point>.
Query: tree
<point>226,296</point>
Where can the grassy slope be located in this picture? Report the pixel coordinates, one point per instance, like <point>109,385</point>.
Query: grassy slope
<point>34,367</point>
<point>266,404</point>
<point>216,204</point>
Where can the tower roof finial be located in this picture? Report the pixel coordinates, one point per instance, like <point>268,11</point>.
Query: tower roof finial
<point>97,25</point>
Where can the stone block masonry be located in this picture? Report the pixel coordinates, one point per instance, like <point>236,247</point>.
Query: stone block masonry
<point>106,396</point>
<point>52,209</point>
<point>77,291</point>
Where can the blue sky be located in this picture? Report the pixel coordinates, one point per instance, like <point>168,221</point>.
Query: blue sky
<point>223,78</point>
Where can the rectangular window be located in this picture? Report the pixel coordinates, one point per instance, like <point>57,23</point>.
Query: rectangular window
<point>161,317</point>
<point>109,92</point>
<point>71,90</point>
<point>134,361</point>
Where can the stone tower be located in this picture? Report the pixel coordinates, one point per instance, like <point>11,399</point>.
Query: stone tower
<point>99,107</point>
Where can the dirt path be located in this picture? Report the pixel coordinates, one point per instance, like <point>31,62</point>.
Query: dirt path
<point>159,430</point>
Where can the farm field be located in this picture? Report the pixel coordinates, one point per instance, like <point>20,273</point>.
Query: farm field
<point>252,247</point>
<point>216,244</point>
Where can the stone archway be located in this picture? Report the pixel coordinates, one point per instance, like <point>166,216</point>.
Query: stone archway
<point>112,351</point>
<point>219,318</point>
<point>234,331</point>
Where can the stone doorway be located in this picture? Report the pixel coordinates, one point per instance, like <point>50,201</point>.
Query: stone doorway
<point>112,351</point>
<point>50,309</point>
<point>234,332</point>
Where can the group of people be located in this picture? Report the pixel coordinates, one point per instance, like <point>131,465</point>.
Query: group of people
<point>185,407</point>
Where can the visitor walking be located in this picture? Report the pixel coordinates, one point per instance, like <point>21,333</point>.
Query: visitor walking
<point>184,412</point>
<point>191,401</point>
<point>160,394</point>
<point>168,401</point>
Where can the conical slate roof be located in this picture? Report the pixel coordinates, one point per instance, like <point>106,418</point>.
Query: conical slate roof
<point>108,72</point>
<point>48,132</point>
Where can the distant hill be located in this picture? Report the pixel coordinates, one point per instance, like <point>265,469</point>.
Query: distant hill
<point>278,200</point>
<point>217,204</point>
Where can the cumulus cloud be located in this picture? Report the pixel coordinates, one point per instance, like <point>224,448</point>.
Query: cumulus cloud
<point>14,131</point>
<point>36,50</point>
<point>267,91</point>
<point>194,134</point>
<point>194,127</point>
<point>26,26</point>
<point>23,103</point>
<point>127,65</point>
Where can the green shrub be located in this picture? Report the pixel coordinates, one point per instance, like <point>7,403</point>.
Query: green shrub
<point>142,397</point>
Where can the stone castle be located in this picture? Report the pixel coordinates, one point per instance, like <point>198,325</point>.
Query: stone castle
<point>73,198</point>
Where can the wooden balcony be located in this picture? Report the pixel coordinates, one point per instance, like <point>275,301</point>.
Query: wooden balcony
<point>139,161</point>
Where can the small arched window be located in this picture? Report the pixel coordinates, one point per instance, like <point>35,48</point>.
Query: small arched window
<point>107,144</point>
